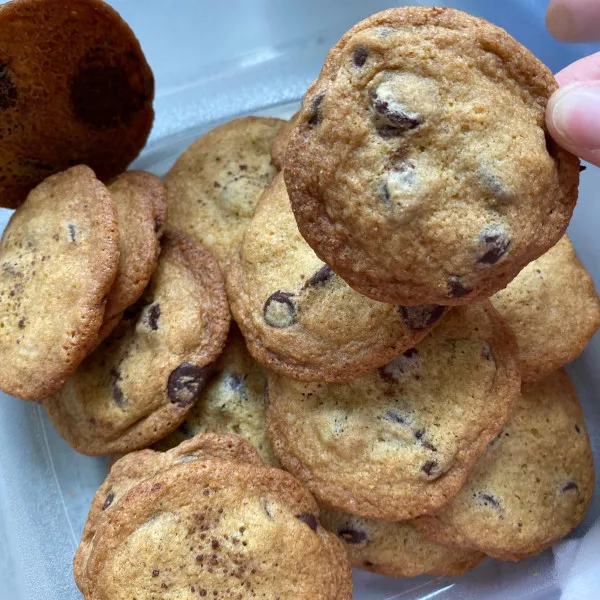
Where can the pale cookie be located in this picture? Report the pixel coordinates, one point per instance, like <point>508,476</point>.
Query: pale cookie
<point>400,442</point>
<point>58,259</point>
<point>298,317</point>
<point>215,184</point>
<point>421,170</point>
<point>553,308</point>
<point>140,384</point>
<point>532,485</point>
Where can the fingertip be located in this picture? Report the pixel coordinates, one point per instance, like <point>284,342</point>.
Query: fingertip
<point>559,21</point>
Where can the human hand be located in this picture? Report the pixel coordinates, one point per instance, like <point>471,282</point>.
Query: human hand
<point>573,113</point>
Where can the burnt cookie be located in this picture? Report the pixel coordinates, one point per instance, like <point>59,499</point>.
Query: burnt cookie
<point>425,180</point>
<point>141,383</point>
<point>301,319</point>
<point>533,484</point>
<point>83,69</point>
<point>553,308</point>
<point>58,259</point>
<point>141,201</point>
<point>215,184</point>
<point>226,528</point>
<point>400,441</point>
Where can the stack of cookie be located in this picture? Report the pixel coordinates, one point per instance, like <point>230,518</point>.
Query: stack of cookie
<point>389,396</point>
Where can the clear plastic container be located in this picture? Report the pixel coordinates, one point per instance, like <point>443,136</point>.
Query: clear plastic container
<point>214,61</point>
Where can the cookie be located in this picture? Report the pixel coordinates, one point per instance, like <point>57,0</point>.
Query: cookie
<point>396,549</point>
<point>400,441</point>
<point>82,68</point>
<point>533,484</point>
<point>302,320</point>
<point>132,469</point>
<point>58,259</point>
<point>215,184</point>
<point>233,401</point>
<point>216,528</point>
<point>141,383</point>
<point>141,200</point>
<point>553,309</point>
<point>280,141</point>
<point>420,169</point>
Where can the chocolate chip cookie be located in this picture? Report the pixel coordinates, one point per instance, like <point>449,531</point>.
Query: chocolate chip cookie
<point>82,68</point>
<point>302,320</point>
<point>141,383</point>
<point>553,309</point>
<point>396,549</point>
<point>58,259</point>
<point>233,401</point>
<point>420,169</point>
<point>215,184</point>
<point>280,141</point>
<point>531,486</point>
<point>215,528</point>
<point>401,441</point>
<point>141,201</point>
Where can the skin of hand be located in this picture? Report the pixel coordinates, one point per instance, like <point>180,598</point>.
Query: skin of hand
<point>573,112</point>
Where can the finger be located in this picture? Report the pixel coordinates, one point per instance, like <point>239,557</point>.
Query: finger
<point>573,117</point>
<point>574,20</point>
<point>585,69</point>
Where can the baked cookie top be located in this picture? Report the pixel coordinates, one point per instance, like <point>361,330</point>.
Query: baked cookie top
<point>215,184</point>
<point>420,169</point>
<point>553,308</point>
<point>302,320</point>
<point>82,68</point>
<point>531,486</point>
<point>281,140</point>
<point>139,385</point>
<point>58,259</point>
<point>400,441</point>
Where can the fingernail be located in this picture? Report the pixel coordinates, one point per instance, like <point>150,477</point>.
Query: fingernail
<point>576,115</point>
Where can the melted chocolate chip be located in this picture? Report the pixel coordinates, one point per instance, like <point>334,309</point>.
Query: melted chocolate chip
<point>321,276</point>
<point>72,232</point>
<point>359,56</point>
<point>421,317</point>
<point>430,468</point>
<point>405,364</point>
<point>353,536</point>
<point>118,395</point>
<point>279,310</point>
<point>309,519</point>
<point>486,500</point>
<point>153,316</point>
<point>395,114</point>
<point>316,102</point>
<point>396,417</point>
<point>384,193</point>
<point>186,383</point>
<point>494,243</point>
<point>570,485</point>
<point>108,500</point>
<point>8,91</point>
<point>457,288</point>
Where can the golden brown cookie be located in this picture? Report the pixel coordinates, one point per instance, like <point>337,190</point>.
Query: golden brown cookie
<point>420,169</point>
<point>80,65</point>
<point>553,308</point>
<point>400,442</point>
<point>140,384</point>
<point>58,259</point>
<point>531,486</point>
<point>298,317</point>
<point>215,184</point>
<point>280,142</point>
<point>215,528</point>
<point>141,200</point>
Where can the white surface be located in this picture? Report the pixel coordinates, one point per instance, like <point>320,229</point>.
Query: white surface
<point>213,61</point>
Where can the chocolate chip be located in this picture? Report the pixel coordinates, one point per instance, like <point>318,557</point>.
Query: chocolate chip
<point>315,116</point>
<point>237,383</point>
<point>570,485</point>
<point>582,168</point>
<point>421,317</point>
<point>8,90</point>
<point>384,193</point>
<point>21,323</point>
<point>359,56</point>
<point>279,310</point>
<point>353,536</point>
<point>72,232</point>
<point>428,445</point>
<point>155,573</point>
<point>186,383</point>
<point>494,243</point>
<point>457,288</point>
<point>153,316</point>
<point>266,506</point>
<point>405,364</point>
<point>395,114</point>
<point>396,417</point>
<point>321,276</point>
<point>430,468</point>
<point>486,500</point>
<point>108,500</point>
<point>577,429</point>
<point>309,519</point>
<point>118,395</point>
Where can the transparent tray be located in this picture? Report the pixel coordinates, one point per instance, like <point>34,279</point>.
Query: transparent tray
<point>213,63</point>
